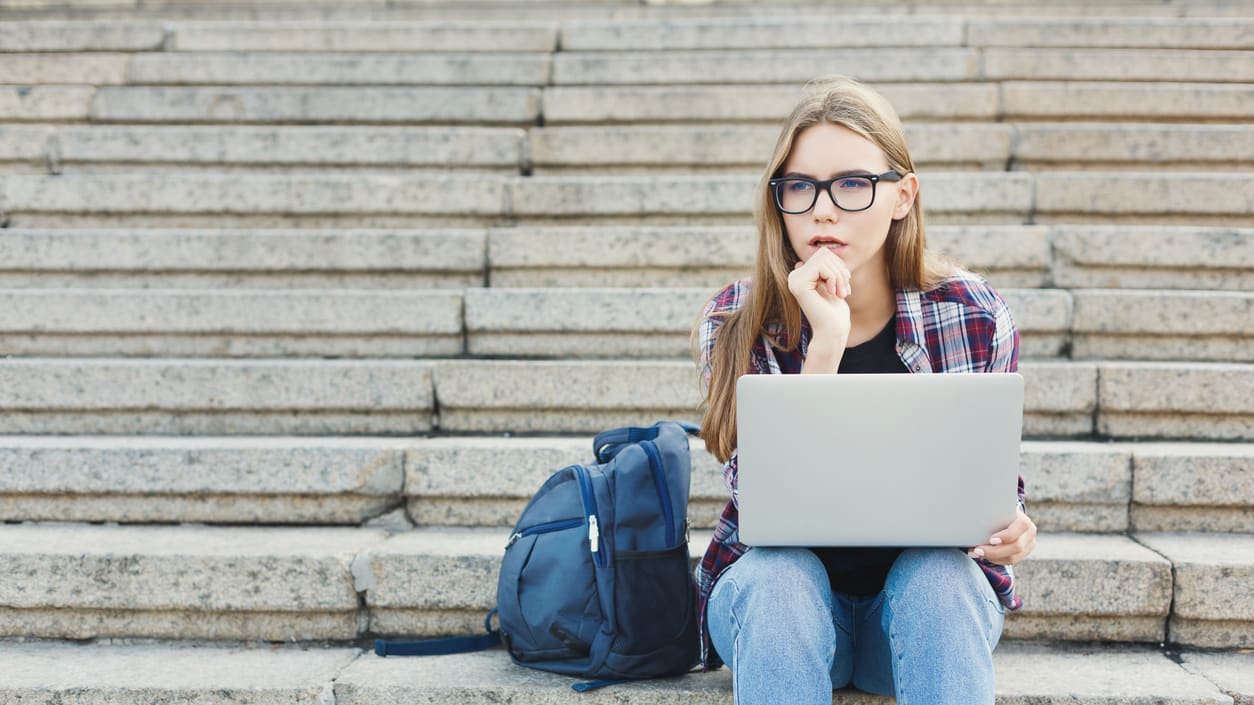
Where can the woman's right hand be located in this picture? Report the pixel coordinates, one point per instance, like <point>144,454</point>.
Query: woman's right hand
<point>821,284</point>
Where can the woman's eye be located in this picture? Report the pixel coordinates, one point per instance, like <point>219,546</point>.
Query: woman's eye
<point>852,184</point>
<point>800,186</point>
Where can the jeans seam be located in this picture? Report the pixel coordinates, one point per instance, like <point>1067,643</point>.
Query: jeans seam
<point>899,693</point>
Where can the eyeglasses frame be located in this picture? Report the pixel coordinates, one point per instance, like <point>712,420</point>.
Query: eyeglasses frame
<point>890,175</point>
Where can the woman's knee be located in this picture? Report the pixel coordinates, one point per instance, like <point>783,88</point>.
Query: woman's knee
<point>942,588</point>
<point>787,586</point>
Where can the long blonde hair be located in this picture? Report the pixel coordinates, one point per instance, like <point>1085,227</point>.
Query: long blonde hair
<point>850,104</point>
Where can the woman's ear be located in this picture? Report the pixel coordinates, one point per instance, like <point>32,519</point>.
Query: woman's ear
<point>907,191</point>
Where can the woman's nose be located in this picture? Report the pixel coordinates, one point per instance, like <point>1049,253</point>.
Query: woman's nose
<point>824,207</point>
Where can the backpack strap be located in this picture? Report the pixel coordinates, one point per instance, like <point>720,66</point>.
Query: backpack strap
<point>607,443</point>
<point>442,647</point>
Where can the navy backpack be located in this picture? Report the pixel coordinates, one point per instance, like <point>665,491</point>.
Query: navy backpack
<point>596,580</point>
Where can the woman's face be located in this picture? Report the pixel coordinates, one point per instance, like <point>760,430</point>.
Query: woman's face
<point>822,152</point>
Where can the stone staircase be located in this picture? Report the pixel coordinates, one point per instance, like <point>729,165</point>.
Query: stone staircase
<point>300,303</point>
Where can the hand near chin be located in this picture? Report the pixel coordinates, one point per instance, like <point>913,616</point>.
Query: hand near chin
<point>821,284</point>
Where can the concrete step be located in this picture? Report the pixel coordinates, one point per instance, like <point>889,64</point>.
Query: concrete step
<point>886,65</point>
<point>1107,256</point>
<point>274,480</point>
<point>44,103</point>
<point>990,146</point>
<point>745,65</point>
<point>93,69</point>
<point>1070,486</point>
<point>1061,256</point>
<point>1172,483</point>
<point>341,68</point>
<point>1205,566</point>
<point>305,105</point>
<point>1039,146</point>
<point>81,35</point>
<point>1106,100</point>
<point>105,673</point>
<point>658,322</point>
<point>1207,401</point>
<point>82,581</point>
<point>128,148</point>
<point>619,149</point>
<point>563,105</point>
<point>1008,100</point>
<point>231,323</point>
<point>820,31</point>
<point>351,258</point>
<point>607,149</point>
<point>365,36</point>
<point>1153,325</point>
<point>1076,64</point>
<point>480,481</point>
<point>321,199</point>
<point>251,199</point>
<point>199,397</point>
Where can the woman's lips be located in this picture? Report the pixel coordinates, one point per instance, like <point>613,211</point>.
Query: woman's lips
<point>830,243</point>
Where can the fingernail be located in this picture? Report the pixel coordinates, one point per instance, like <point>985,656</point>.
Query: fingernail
<point>979,553</point>
<point>995,541</point>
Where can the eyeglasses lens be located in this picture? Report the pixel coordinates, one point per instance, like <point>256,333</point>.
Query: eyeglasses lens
<point>853,193</point>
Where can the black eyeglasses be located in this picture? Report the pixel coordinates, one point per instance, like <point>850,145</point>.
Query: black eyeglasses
<point>851,193</point>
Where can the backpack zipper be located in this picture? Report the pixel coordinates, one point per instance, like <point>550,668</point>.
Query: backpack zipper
<point>544,528</point>
<point>655,465</point>
<point>590,506</point>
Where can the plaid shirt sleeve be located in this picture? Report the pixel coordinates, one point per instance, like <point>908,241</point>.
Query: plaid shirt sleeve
<point>1004,355</point>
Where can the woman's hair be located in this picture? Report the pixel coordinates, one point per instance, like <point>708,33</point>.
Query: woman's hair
<point>850,104</point>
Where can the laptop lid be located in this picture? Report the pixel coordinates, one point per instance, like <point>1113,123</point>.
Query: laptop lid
<point>877,459</point>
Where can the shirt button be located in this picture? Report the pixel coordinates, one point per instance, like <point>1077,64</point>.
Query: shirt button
<point>918,367</point>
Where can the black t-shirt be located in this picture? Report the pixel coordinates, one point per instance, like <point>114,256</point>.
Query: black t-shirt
<point>862,571</point>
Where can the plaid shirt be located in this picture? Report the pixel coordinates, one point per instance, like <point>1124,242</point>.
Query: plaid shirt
<point>961,326</point>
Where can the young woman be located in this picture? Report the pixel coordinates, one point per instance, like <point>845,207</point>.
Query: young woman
<point>844,283</point>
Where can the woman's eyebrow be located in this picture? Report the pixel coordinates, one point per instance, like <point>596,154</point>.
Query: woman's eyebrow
<point>837,175</point>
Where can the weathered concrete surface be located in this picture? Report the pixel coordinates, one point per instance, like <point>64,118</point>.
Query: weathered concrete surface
<point>220,480</point>
<point>1197,401</point>
<point>1213,604</point>
<point>1155,325</point>
<point>1233,672</point>
<point>141,254</point>
<point>1160,257</point>
<point>1193,487</point>
<point>1092,587</point>
<point>1126,31</point>
<point>200,396</point>
<point>1075,64</point>
<point>77,147</point>
<point>176,323</point>
<point>1028,674</point>
<point>768,104</point>
<point>770,32</point>
<point>321,104</point>
<point>262,68</point>
<point>37,103</point>
<point>46,673</point>
<point>760,66</point>
<point>75,35</point>
<point>372,36</point>
<point>1135,101</point>
<point>1192,146</point>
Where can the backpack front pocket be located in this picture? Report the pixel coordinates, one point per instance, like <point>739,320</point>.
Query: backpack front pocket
<point>554,593</point>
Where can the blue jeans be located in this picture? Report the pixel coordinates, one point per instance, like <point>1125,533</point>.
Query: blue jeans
<point>926,638</point>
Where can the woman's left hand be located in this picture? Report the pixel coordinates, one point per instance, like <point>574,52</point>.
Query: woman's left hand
<point>1010,545</point>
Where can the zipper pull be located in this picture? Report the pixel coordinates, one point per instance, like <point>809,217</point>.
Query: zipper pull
<point>594,533</point>
<point>513,538</point>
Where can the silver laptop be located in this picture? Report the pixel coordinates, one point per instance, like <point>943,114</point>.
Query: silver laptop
<point>877,459</point>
